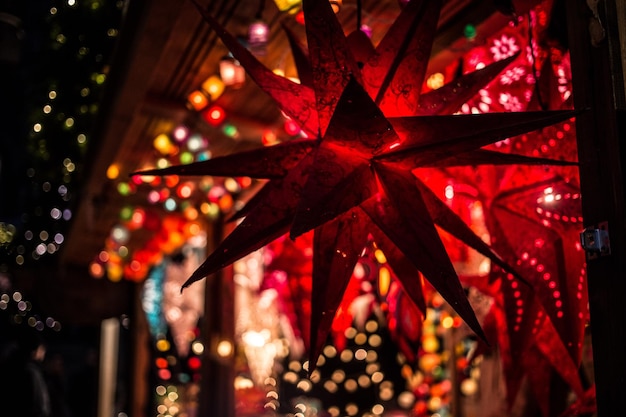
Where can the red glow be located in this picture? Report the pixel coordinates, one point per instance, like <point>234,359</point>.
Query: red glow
<point>194,363</point>
<point>291,127</point>
<point>300,17</point>
<point>269,138</point>
<point>137,180</point>
<point>216,193</point>
<point>135,265</point>
<point>185,190</point>
<point>164,194</point>
<point>244,181</point>
<point>214,115</point>
<point>96,270</point>
<point>171,180</point>
<point>138,217</point>
<point>135,271</point>
<point>164,374</point>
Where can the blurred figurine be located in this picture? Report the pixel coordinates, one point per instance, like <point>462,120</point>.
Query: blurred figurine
<point>22,380</point>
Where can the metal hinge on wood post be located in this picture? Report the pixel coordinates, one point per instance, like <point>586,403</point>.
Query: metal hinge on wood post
<point>595,240</point>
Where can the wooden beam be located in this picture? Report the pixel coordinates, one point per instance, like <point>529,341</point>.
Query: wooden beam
<point>598,87</point>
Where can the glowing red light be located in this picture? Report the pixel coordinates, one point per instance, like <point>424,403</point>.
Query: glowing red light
<point>300,17</point>
<point>185,190</point>
<point>135,265</point>
<point>214,115</point>
<point>171,180</point>
<point>268,138</point>
<point>96,270</point>
<point>137,218</point>
<point>216,193</point>
<point>194,363</point>
<point>164,374</point>
<point>244,181</point>
<point>291,127</point>
<point>164,194</point>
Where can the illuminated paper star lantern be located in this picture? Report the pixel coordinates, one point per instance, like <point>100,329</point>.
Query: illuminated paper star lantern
<point>370,128</point>
<point>533,216</point>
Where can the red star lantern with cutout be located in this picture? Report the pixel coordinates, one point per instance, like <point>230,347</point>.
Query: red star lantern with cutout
<point>369,128</point>
<point>533,215</point>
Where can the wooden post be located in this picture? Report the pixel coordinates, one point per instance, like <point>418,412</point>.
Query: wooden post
<point>139,368</point>
<point>107,383</point>
<point>598,87</point>
<point>217,392</point>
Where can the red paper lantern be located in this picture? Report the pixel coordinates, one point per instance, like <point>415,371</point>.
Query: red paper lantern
<point>214,115</point>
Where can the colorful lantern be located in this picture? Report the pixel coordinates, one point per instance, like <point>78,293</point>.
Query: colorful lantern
<point>213,86</point>
<point>197,100</point>
<point>258,34</point>
<point>231,72</point>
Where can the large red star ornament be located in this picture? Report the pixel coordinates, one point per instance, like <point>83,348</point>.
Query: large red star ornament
<point>369,128</point>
